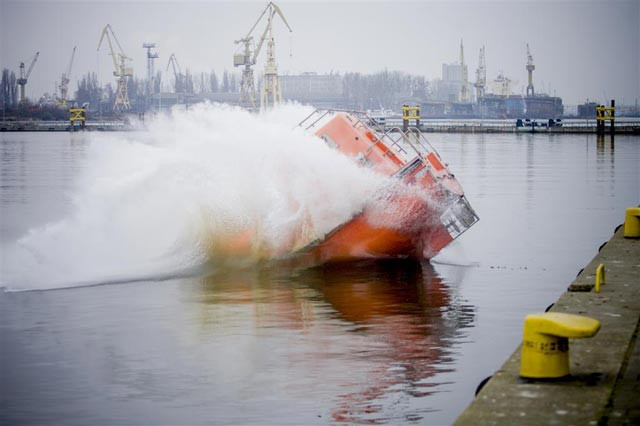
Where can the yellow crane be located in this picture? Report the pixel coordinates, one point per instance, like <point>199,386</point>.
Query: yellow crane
<point>24,77</point>
<point>64,81</point>
<point>270,84</point>
<point>120,69</point>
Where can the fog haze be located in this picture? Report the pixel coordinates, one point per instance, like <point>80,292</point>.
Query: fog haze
<point>581,49</point>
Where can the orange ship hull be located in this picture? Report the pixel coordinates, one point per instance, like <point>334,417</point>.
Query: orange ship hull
<point>423,212</point>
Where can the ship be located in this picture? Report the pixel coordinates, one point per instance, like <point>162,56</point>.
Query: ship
<point>423,211</point>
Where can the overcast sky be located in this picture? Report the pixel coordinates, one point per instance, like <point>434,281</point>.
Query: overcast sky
<point>581,49</point>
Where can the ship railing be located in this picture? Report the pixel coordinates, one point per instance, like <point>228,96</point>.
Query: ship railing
<point>395,137</point>
<point>413,137</point>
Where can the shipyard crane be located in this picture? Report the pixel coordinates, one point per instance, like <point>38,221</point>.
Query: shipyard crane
<point>176,72</point>
<point>481,75</point>
<point>271,84</point>
<point>150,57</point>
<point>120,70</point>
<point>64,81</point>
<point>530,68</point>
<point>24,77</point>
<point>270,81</point>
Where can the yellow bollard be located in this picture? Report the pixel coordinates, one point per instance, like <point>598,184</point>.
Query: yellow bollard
<point>545,345</point>
<point>632,222</point>
<point>600,279</point>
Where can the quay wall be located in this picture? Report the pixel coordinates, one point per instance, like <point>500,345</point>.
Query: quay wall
<point>604,383</point>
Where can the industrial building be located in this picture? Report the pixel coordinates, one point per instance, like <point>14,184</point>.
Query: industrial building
<point>321,90</point>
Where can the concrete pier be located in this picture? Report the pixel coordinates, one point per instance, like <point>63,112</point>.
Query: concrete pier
<point>604,385</point>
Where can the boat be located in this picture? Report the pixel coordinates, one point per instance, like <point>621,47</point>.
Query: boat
<point>423,212</point>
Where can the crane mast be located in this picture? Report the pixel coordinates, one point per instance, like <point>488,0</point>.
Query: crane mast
<point>24,77</point>
<point>530,68</point>
<point>64,80</point>
<point>120,70</point>
<point>481,75</point>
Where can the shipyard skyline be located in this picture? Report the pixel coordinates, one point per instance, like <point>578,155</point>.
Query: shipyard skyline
<point>572,42</point>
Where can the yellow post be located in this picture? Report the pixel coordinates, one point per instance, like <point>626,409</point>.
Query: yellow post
<point>545,345</point>
<point>600,279</point>
<point>632,222</point>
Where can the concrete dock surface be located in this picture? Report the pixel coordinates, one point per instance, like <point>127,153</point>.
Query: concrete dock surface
<point>604,384</point>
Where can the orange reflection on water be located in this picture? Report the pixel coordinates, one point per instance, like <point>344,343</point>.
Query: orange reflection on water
<point>393,320</point>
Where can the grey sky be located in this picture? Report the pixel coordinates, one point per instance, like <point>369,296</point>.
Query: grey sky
<point>582,49</point>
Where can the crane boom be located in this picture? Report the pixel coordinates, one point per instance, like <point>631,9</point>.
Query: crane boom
<point>262,39</point>
<point>257,21</point>
<point>177,72</point>
<point>73,54</point>
<point>279,12</point>
<point>173,61</point>
<point>33,63</point>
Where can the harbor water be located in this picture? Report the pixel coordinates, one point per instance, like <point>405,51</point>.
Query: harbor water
<point>121,306</point>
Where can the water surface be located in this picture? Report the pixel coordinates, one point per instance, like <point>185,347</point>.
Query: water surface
<point>394,341</point>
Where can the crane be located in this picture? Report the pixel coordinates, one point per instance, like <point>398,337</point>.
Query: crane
<point>64,81</point>
<point>150,57</point>
<point>530,68</point>
<point>176,72</point>
<point>120,70</point>
<point>271,84</point>
<point>481,75</point>
<point>464,89</point>
<point>22,81</point>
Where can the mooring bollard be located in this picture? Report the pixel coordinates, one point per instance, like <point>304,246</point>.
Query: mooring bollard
<point>545,344</point>
<point>600,277</point>
<point>632,223</point>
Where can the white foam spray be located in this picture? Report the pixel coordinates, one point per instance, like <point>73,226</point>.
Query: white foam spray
<point>211,184</point>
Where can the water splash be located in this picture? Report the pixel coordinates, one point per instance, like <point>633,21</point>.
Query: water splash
<point>210,185</point>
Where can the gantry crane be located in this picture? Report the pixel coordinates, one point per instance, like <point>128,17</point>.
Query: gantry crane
<point>24,77</point>
<point>481,75</point>
<point>530,68</point>
<point>64,81</point>
<point>120,70</point>
<point>177,73</point>
<point>270,84</point>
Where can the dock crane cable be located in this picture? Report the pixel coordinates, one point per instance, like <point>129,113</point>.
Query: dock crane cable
<point>24,77</point>
<point>121,71</point>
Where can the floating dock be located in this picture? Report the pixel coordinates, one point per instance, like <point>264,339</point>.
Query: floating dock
<point>604,383</point>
